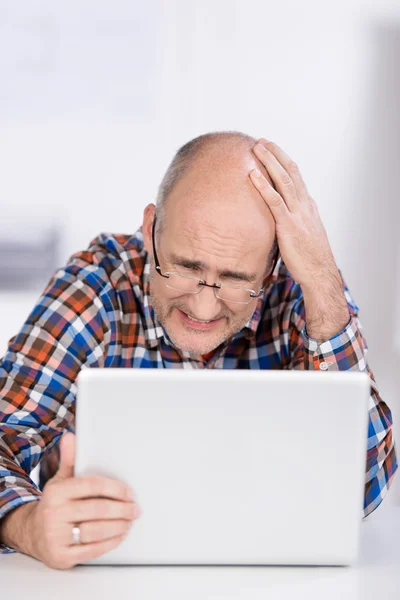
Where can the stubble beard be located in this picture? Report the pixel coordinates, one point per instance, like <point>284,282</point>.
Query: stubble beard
<point>163,313</point>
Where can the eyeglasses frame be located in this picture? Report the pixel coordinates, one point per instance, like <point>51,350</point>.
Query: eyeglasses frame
<point>202,283</point>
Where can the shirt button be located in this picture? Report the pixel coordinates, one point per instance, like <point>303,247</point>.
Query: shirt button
<point>323,366</point>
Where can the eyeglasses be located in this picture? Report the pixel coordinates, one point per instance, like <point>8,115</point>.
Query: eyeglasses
<point>193,285</point>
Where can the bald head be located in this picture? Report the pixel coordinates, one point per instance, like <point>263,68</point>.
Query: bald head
<point>208,180</point>
<point>190,153</point>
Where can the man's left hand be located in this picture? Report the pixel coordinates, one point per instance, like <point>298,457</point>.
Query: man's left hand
<point>302,241</point>
<point>301,236</point>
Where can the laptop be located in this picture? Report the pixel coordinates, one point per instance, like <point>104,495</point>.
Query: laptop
<point>231,467</point>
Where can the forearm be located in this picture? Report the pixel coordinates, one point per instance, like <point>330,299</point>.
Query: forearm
<point>17,489</point>
<point>15,528</point>
<point>326,309</point>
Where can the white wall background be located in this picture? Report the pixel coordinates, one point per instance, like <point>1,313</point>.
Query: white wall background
<point>97,96</point>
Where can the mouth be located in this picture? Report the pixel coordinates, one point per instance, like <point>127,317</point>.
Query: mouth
<point>197,323</point>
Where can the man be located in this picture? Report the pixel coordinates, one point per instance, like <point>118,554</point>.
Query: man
<point>195,287</point>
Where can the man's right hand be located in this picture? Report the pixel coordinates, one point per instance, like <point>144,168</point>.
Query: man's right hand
<point>102,507</point>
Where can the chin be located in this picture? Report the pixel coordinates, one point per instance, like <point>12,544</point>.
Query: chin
<point>195,342</point>
<point>195,347</point>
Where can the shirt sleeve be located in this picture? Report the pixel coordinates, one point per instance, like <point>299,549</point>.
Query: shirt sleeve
<point>347,350</point>
<point>68,329</point>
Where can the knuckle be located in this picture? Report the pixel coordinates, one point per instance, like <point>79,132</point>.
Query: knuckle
<point>276,199</point>
<point>286,180</point>
<point>293,166</point>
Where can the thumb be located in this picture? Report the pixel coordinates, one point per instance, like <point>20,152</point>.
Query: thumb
<point>67,456</point>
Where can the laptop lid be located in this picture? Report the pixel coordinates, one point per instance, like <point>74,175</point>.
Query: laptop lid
<point>230,467</point>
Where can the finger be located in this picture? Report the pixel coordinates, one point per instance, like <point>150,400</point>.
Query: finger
<point>271,197</point>
<point>83,552</point>
<point>98,510</point>
<point>67,456</point>
<point>290,166</point>
<point>95,486</point>
<point>97,531</point>
<point>282,180</point>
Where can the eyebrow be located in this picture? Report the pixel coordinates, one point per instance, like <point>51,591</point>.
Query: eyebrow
<point>198,264</point>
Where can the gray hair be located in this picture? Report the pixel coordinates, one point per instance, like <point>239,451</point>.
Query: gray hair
<point>186,156</point>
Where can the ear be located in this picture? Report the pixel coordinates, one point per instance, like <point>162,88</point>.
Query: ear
<point>148,218</point>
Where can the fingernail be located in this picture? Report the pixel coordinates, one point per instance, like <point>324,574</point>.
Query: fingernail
<point>261,147</point>
<point>256,173</point>
<point>138,511</point>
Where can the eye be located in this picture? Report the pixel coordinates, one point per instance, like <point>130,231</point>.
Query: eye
<point>234,281</point>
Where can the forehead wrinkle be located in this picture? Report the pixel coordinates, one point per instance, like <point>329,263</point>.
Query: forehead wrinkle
<point>233,262</point>
<point>233,251</point>
<point>230,246</point>
<point>234,232</point>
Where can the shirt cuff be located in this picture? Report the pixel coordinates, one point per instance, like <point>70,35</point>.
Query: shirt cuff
<point>342,352</point>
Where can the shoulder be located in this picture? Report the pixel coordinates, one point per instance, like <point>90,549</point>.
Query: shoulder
<point>111,258</point>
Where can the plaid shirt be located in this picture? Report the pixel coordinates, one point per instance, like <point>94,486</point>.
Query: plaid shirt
<point>96,312</point>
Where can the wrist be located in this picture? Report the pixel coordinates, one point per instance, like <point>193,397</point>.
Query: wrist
<point>16,527</point>
<point>326,309</point>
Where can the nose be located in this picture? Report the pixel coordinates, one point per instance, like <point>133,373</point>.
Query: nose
<point>204,305</point>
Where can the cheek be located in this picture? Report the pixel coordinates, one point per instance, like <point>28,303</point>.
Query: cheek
<point>159,291</point>
<point>243,313</point>
<point>249,309</point>
<point>163,296</point>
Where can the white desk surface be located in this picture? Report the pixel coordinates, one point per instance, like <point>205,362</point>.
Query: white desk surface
<point>376,575</point>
